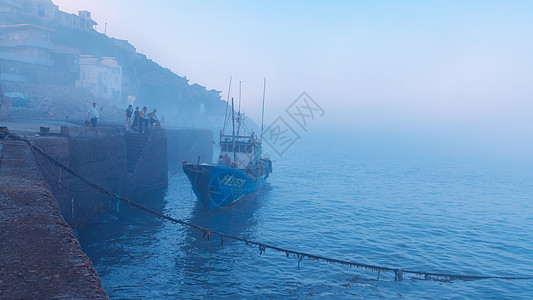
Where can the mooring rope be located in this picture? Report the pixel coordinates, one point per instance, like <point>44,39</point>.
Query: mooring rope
<point>52,176</point>
<point>398,272</point>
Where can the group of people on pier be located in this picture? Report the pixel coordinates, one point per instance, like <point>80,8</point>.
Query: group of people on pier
<point>137,120</point>
<point>140,119</point>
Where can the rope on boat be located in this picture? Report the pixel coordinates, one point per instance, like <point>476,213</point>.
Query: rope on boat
<point>398,273</point>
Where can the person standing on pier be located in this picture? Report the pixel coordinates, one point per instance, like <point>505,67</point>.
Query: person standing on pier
<point>143,119</point>
<point>153,118</point>
<point>135,119</point>
<point>94,114</point>
<point>129,114</point>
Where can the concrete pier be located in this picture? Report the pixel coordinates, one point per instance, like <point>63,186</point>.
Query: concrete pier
<point>39,255</point>
<point>131,165</point>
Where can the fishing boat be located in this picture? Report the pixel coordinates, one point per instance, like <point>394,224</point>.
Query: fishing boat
<point>240,170</point>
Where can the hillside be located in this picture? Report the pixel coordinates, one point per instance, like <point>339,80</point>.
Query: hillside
<point>153,85</point>
<point>52,91</point>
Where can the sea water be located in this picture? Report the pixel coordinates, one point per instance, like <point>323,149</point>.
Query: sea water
<point>433,214</point>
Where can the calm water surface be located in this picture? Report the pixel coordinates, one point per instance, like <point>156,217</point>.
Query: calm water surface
<point>435,215</point>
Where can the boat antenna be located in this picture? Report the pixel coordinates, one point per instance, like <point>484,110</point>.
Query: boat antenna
<point>263,109</point>
<point>233,134</point>
<point>227,104</point>
<point>239,116</point>
<point>240,82</point>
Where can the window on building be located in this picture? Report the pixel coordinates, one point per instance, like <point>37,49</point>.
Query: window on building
<point>40,10</point>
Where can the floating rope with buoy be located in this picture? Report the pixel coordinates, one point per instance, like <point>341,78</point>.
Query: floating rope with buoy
<point>398,273</point>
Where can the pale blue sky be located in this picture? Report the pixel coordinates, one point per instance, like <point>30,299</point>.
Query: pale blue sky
<point>456,68</point>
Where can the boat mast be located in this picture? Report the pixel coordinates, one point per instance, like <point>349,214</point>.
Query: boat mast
<point>227,104</point>
<point>233,133</point>
<point>239,116</point>
<point>263,110</point>
<point>240,82</point>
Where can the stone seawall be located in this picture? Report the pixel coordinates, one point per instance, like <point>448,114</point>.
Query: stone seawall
<point>131,165</point>
<point>102,155</point>
<point>40,257</point>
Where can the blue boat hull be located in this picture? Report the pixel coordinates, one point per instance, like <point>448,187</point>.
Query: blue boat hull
<point>218,186</point>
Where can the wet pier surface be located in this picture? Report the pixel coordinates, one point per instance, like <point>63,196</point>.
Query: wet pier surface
<point>40,257</point>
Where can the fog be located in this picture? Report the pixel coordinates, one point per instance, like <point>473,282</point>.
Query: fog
<point>438,77</point>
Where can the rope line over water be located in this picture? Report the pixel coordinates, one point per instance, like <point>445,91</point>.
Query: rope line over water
<point>398,273</point>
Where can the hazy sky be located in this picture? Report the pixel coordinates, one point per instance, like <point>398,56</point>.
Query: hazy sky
<point>463,69</point>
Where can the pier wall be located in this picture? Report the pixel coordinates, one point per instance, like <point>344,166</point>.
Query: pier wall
<point>101,156</point>
<point>40,255</point>
<point>131,165</point>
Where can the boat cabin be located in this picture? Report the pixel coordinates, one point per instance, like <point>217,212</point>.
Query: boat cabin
<point>242,150</point>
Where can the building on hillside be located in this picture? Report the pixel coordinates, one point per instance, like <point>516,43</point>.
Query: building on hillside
<point>66,69</point>
<point>102,77</point>
<point>214,94</point>
<point>43,9</point>
<point>25,53</point>
<point>43,12</point>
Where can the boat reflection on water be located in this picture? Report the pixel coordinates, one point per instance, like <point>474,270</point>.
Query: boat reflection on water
<point>239,219</point>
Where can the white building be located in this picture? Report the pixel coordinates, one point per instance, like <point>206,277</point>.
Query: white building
<point>103,78</point>
<point>44,12</point>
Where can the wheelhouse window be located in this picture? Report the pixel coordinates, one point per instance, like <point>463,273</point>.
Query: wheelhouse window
<point>226,147</point>
<point>240,148</point>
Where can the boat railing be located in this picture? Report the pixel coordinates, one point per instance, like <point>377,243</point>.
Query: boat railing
<point>236,137</point>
